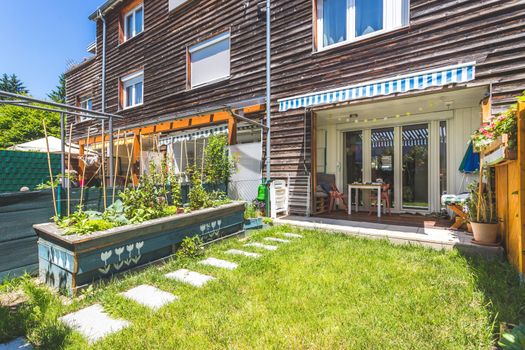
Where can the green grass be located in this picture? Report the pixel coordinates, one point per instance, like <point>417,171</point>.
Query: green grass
<point>320,292</point>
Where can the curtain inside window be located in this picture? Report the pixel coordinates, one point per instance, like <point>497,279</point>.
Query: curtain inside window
<point>334,21</point>
<point>368,16</point>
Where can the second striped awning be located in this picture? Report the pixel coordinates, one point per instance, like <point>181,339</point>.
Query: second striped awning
<point>459,73</point>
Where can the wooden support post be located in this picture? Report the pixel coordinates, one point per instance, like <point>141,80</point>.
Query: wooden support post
<point>232,129</point>
<point>521,192</point>
<point>81,164</point>
<point>135,157</point>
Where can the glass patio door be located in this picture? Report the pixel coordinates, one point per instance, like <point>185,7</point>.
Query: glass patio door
<point>382,161</point>
<point>415,167</point>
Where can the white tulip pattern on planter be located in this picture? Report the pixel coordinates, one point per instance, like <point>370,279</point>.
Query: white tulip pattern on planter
<point>104,256</point>
<point>208,230</point>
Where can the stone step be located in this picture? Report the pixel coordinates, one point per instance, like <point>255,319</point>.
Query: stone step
<point>278,240</point>
<point>243,253</point>
<point>292,235</point>
<point>223,264</point>
<point>190,277</point>
<point>150,296</point>
<point>16,344</point>
<point>261,246</point>
<point>93,323</point>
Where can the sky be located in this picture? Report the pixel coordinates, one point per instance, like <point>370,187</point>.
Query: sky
<point>40,36</point>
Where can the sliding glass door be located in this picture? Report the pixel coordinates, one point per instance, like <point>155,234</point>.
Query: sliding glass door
<point>415,166</point>
<point>382,157</point>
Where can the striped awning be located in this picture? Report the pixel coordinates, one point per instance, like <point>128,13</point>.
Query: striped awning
<point>459,73</point>
<point>194,135</point>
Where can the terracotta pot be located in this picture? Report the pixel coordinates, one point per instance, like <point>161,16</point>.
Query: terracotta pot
<point>485,233</point>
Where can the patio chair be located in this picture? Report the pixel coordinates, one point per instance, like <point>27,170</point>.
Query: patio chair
<point>385,196</point>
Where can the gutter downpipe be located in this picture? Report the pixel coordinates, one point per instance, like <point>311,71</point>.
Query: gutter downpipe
<point>268,104</point>
<point>103,97</point>
<point>268,88</point>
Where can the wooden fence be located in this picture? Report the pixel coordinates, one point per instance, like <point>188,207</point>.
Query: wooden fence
<point>510,196</point>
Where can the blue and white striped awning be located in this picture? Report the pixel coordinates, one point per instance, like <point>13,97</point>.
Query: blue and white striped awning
<point>195,134</point>
<point>459,73</point>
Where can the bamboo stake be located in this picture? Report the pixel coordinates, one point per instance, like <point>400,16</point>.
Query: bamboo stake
<point>480,186</point>
<point>103,168</point>
<point>50,170</point>
<point>116,168</point>
<point>203,154</point>
<point>69,171</point>
<point>130,158</point>
<point>83,174</point>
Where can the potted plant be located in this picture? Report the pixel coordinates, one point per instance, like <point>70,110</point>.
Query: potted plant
<point>482,212</point>
<point>252,217</point>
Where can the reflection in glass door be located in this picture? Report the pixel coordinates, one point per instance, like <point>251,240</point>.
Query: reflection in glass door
<point>382,161</point>
<point>354,157</point>
<point>415,166</point>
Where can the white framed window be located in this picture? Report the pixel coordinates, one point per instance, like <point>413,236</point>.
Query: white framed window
<point>209,61</point>
<point>132,90</point>
<point>134,22</point>
<point>86,102</point>
<point>342,21</point>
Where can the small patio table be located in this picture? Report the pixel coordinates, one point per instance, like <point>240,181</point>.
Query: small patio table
<point>357,187</point>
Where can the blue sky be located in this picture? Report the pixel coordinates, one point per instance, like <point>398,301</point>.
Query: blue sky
<point>39,36</point>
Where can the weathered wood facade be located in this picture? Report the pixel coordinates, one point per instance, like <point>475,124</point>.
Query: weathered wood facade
<point>440,33</point>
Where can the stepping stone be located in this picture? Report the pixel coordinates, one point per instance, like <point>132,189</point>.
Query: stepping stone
<point>17,344</point>
<point>150,296</point>
<point>278,240</point>
<point>292,235</point>
<point>93,323</point>
<point>261,246</point>
<point>223,264</point>
<point>243,253</point>
<point>190,277</point>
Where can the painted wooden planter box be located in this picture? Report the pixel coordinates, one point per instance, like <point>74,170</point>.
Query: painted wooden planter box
<point>70,262</point>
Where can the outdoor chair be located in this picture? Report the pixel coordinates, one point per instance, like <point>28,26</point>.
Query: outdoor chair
<point>385,197</point>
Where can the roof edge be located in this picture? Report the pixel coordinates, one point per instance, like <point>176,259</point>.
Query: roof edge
<point>108,5</point>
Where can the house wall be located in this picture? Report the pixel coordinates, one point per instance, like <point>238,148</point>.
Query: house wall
<point>161,51</point>
<point>440,33</point>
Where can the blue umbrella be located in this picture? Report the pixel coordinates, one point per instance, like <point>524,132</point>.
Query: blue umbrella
<point>470,162</point>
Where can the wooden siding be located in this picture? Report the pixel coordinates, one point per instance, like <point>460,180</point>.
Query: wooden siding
<point>441,32</point>
<point>161,50</point>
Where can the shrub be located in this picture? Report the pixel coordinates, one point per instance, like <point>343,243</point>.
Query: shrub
<point>191,247</point>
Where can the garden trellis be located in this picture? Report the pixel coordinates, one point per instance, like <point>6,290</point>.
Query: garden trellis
<point>8,98</point>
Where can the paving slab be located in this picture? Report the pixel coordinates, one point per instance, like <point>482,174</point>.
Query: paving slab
<point>16,344</point>
<point>292,235</point>
<point>278,240</point>
<point>243,253</point>
<point>223,264</point>
<point>190,277</point>
<point>93,323</point>
<point>261,246</point>
<point>150,296</point>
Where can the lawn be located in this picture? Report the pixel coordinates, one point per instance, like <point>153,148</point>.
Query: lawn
<point>324,291</point>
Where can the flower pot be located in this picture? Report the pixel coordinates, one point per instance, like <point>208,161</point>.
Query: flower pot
<point>469,227</point>
<point>485,233</point>
<point>253,223</point>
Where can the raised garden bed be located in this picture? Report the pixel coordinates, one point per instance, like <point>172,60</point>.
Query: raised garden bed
<point>70,262</point>
<point>253,223</point>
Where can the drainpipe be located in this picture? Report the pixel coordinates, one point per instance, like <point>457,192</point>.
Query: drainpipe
<point>268,88</point>
<point>103,97</point>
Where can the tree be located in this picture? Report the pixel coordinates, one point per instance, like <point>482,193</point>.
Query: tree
<point>59,94</point>
<point>19,125</point>
<point>12,84</point>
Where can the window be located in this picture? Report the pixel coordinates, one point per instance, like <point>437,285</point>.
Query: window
<point>340,21</point>
<point>85,102</point>
<point>132,90</point>
<point>173,4</point>
<point>209,61</point>
<point>134,22</point>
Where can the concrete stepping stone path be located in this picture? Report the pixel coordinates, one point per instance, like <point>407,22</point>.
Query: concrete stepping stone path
<point>150,296</point>
<point>278,240</point>
<point>243,253</point>
<point>261,246</point>
<point>16,344</point>
<point>292,235</point>
<point>190,277</point>
<point>93,323</point>
<point>223,264</point>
